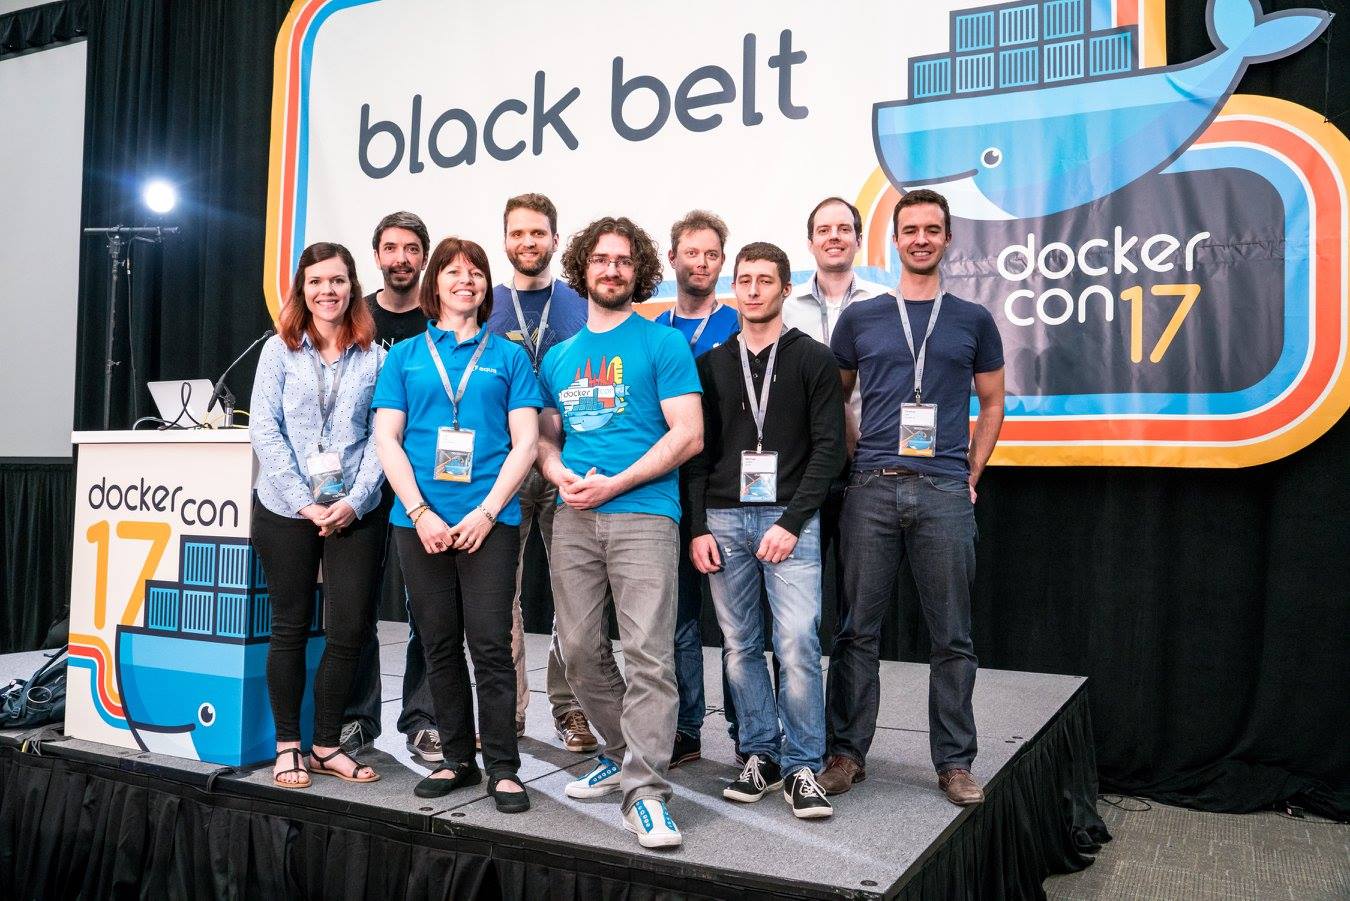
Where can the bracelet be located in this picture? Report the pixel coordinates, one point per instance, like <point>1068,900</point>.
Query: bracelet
<point>417,511</point>
<point>490,518</point>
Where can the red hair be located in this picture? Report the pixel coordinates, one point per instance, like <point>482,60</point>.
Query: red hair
<point>358,326</point>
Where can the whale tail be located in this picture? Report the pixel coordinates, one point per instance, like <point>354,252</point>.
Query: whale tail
<point>1238,25</point>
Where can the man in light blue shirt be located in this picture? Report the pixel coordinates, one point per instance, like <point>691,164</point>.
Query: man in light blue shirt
<point>697,251</point>
<point>622,412</point>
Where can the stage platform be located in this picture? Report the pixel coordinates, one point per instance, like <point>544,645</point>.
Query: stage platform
<point>76,816</point>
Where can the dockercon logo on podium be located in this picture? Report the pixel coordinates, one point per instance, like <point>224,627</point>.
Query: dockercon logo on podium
<point>1166,261</point>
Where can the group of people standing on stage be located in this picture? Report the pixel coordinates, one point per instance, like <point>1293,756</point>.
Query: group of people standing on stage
<point>714,442</point>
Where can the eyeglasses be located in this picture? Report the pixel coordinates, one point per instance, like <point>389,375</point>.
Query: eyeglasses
<point>599,261</point>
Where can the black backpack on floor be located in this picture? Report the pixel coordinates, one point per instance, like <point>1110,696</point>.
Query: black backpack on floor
<point>38,701</point>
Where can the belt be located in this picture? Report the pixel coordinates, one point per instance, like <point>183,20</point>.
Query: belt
<point>892,471</point>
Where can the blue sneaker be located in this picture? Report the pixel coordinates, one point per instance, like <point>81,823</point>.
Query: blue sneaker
<point>600,781</point>
<point>649,820</point>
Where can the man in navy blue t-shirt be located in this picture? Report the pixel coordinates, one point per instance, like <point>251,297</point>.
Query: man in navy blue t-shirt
<point>912,494</point>
<point>537,311</point>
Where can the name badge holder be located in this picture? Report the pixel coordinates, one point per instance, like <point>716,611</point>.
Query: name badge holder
<point>324,467</point>
<point>759,469</point>
<point>454,446</point>
<point>918,420</point>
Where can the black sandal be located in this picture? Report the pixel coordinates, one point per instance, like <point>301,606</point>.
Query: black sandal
<point>318,767</point>
<point>465,774</point>
<point>508,801</point>
<point>298,768</point>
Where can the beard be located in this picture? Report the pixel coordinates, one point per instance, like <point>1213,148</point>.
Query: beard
<point>530,269</point>
<point>400,280</point>
<point>611,301</point>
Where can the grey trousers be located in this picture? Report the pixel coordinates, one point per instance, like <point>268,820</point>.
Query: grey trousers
<point>632,555</point>
<point>538,502</point>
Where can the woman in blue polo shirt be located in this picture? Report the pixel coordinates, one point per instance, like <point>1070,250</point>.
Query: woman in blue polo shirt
<point>456,427</point>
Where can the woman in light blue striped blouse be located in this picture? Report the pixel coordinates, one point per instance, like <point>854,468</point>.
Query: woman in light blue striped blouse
<point>317,492</point>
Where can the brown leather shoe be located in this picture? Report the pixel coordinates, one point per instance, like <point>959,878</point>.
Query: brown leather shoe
<point>839,775</point>
<point>576,733</point>
<point>960,787</point>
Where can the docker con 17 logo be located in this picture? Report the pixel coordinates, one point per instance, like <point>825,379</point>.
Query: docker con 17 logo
<point>1166,261</point>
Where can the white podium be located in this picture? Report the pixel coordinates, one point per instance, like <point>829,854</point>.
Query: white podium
<point>169,612</point>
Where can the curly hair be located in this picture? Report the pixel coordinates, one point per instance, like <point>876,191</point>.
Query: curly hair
<point>646,257</point>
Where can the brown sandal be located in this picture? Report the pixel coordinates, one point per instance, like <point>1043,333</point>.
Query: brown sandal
<point>318,767</point>
<point>298,768</point>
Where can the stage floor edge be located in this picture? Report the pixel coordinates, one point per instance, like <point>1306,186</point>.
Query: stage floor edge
<point>894,835</point>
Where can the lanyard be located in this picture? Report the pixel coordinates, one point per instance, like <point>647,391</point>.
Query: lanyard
<point>458,394</point>
<point>698,332</point>
<point>824,309</point>
<point>531,348</point>
<point>758,405</point>
<point>326,404</point>
<point>909,338</point>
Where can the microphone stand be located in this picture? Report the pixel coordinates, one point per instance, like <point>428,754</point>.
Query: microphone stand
<point>221,393</point>
<point>118,236</point>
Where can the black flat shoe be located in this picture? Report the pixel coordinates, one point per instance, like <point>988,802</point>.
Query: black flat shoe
<point>465,774</point>
<point>508,802</point>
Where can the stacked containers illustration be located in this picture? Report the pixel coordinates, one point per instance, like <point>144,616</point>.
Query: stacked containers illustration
<point>1021,45</point>
<point>194,677</point>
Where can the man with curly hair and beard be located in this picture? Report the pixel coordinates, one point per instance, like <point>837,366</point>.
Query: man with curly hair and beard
<point>622,412</point>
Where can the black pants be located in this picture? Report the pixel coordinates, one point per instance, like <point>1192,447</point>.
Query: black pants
<point>291,550</point>
<point>457,596</point>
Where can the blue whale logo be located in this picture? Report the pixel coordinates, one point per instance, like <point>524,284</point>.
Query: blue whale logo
<point>1024,153</point>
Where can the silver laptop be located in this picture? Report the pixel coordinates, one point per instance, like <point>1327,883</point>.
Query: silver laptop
<point>172,396</point>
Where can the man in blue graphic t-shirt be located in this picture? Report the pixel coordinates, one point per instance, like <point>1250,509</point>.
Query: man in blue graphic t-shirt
<point>536,311</point>
<point>697,252</point>
<point>911,494</point>
<point>622,412</point>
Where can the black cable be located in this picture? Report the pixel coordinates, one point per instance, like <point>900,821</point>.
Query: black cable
<point>1119,804</point>
<point>184,395</point>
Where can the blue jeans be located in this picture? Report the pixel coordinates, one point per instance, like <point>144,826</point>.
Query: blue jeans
<point>793,587</point>
<point>688,638</point>
<point>930,520</point>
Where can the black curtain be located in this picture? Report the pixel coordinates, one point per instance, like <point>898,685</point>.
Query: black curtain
<point>36,521</point>
<point>1209,608</point>
<point>181,91</point>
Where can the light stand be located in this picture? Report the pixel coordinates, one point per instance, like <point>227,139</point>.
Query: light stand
<point>118,238</point>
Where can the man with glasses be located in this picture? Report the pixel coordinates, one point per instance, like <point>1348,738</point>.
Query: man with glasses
<point>536,311</point>
<point>697,252</point>
<point>621,414</point>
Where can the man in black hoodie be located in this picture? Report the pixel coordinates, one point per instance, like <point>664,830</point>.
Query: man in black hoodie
<point>773,422</point>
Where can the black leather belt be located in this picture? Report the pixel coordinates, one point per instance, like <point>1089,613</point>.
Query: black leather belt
<point>893,471</point>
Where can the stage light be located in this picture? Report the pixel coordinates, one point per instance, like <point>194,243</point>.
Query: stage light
<point>159,196</point>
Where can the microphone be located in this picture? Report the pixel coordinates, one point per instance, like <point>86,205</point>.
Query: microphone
<point>222,393</point>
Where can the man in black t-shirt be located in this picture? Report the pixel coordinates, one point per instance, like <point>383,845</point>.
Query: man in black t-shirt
<point>401,244</point>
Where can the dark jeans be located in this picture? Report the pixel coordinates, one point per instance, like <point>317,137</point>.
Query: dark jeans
<point>291,550</point>
<point>931,521</point>
<point>688,638</point>
<point>363,705</point>
<point>457,597</point>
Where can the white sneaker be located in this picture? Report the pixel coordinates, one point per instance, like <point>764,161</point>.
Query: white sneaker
<point>649,820</point>
<point>600,781</point>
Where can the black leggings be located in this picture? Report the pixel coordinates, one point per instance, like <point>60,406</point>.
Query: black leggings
<point>457,596</point>
<point>291,550</point>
